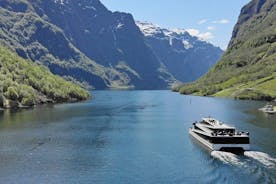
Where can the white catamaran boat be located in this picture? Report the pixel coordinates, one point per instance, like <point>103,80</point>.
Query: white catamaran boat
<point>270,109</point>
<point>216,135</point>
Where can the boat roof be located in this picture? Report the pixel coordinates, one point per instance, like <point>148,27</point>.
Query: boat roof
<point>215,124</point>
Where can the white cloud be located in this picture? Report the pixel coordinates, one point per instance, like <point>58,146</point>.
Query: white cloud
<point>222,21</point>
<point>203,36</point>
<point>224,47</point>
<point>179,31</point>
<point>193,32</point>
<point>202,21</point>
<point>206,36</point>
<point>211,28</point>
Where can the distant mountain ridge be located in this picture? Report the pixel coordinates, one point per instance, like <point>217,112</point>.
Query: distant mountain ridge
<point>186,57</point>
<point>83,41</point>
<point>247,69</point>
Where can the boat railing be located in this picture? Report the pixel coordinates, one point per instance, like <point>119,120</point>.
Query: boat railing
<point>223,133</point>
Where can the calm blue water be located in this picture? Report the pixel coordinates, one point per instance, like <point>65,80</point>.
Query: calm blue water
<point>133,137</point>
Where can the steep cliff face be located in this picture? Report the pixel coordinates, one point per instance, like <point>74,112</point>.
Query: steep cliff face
<point>186,57</point>
<point>247,70</point>
<point>111,39</point>
<point>83,40</point>
<point>248,11</point>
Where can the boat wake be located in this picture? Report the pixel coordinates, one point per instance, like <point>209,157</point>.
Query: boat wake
<point>261,157</point>
<point>228,158</point>
<point>264,170</point>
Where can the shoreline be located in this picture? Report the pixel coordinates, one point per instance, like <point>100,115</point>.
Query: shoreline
<point>49,102</point>
<point>226,97</point>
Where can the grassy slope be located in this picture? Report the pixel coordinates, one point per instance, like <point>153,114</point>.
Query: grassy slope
<point>247,70</point>
<point>24,83</point>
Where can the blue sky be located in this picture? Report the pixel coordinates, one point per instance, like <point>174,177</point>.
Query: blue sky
<point>212,20</point>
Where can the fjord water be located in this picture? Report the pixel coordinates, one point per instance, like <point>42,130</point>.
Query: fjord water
<point>133,137</point>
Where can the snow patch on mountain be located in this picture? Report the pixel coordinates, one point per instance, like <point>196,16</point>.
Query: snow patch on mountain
<point>90,8</point>
<point>62,2</point>
<point>152,30</point>
<point>186,44</point>
<point>148,29</point>
<point>120,25</point>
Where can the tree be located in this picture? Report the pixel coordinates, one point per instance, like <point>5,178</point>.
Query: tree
<point>12,93</point>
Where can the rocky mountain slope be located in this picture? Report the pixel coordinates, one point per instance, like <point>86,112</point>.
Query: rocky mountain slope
<point>247,70</point>
<point>83,41</point>
<point>24,84</point>
<point>185,56</point>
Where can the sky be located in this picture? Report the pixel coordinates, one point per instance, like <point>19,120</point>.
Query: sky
<point>211,20</point>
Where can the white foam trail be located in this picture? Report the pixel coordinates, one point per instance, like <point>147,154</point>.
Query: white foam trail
<point>228,158</point>
<point>261,157</point>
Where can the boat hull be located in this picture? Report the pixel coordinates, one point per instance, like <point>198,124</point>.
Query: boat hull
<point>218,147</point>
<point>270,112</point>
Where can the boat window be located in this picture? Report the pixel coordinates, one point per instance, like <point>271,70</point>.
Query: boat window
<point>224,131</point>
<point>204,122</point>
<point>225,140</point>
<point>197,128</point>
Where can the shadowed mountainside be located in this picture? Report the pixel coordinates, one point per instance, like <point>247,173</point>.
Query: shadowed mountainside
<point>83,41</point>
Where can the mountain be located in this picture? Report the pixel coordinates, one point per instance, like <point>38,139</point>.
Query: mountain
<point>81,40</point>
<point>186,57</point>
<point>24,83</point>
<point>247,69</point>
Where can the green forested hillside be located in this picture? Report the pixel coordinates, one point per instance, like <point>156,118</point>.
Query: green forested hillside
<point>24,83</point>
<point>247,70</point>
